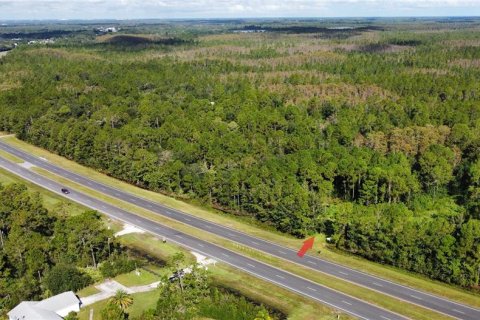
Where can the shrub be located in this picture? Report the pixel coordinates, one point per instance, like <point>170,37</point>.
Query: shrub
<point>117,265</point>
<point>63,278</point>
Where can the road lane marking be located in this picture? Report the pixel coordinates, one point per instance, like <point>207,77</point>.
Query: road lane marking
<point>178,236</point>
<point>200,245</point>
<point>377,284</point>
<point>251,265</point>
<point>456,310</point>
<point>309,288</point>
<point>207,226</point>
<point>255,243</point>
<point>187,219</point>
<point>232,235</point>
<point>312,262</point>
<point>346,302</point>
<point>385,318</point>
<point>415,297</point>
<point>279,276</point>
<point>282,252</point>
<point>226,255</point>
<point>344,273</point>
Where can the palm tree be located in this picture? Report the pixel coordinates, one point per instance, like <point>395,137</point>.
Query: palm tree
<point>121,299</point>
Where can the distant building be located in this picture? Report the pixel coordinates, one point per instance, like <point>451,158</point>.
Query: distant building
<point>53,308</point>
<point>44,41</point>
<point>107,29</point>
<point>249,31</point>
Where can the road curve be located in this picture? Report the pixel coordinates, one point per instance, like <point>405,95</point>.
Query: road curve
<point>307,288</point>
<point>433,302</point>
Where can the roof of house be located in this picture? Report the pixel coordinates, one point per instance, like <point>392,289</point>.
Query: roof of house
<point>44,310</point>
<point>27,310</point>
<point>59,302</point>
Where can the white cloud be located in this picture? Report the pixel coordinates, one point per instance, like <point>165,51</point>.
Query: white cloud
<point>41,9</point>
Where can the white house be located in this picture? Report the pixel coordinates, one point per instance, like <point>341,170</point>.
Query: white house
<point>53,308</point>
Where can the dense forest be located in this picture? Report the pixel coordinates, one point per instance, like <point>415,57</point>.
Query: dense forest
<point>44,253</point>
<point>369,136</point>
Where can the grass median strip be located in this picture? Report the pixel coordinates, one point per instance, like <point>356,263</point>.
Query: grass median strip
<point>401,307</point>
<point>51,201</point>
<point>10,157</point>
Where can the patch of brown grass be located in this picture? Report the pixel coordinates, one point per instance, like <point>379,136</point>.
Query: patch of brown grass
<point>9,85</point>
<point>466,63</point>
<point>64,54</point>
<point>462,43</point>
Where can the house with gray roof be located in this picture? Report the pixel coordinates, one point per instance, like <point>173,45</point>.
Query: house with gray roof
<point>53,308</point>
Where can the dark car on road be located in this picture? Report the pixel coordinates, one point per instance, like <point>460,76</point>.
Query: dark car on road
<point>65,191</point>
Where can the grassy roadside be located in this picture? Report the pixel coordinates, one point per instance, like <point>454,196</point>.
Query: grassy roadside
<point>260,291</point>
<point>368,295</point>
<point>252,228</point>
<point>51,201</point>
<point>10,157</point>
<point>253,288</point>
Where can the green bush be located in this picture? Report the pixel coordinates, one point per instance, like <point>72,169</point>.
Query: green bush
<point>118,265</point>
<point>63,278</point>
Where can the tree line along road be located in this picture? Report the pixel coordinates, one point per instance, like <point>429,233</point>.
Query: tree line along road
<point>387,287</point>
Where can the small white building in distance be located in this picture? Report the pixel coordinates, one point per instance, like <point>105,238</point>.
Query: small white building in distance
<point>53,308</point>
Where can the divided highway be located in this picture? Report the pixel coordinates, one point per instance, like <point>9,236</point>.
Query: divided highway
<point>387,287</point>
<point>332,298</point>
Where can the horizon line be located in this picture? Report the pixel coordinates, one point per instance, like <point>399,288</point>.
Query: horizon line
<point>247,18</point>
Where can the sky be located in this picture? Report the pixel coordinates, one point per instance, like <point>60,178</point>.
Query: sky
<point>179,9</point>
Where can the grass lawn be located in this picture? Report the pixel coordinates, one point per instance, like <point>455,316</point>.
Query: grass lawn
<point>88,291</point>
<point>151,245</point>
<point>132,279</point>
<point>97,307</point>
<point>141,302</point>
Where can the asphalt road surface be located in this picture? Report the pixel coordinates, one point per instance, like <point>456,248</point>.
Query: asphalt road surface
<point>327,296</point>
<point>387,287</point>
